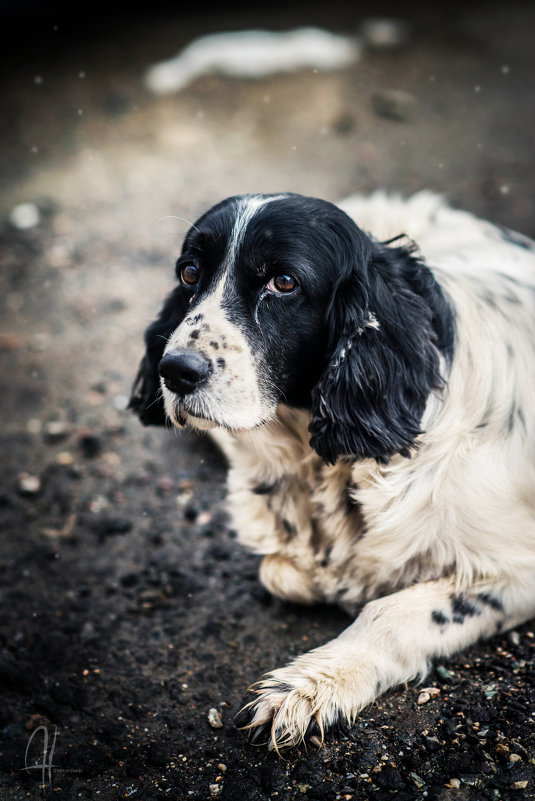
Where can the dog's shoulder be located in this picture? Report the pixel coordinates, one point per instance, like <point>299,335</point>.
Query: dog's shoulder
<point>447,238</point>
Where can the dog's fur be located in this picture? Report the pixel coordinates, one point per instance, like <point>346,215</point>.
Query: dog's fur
<point>379,425</point>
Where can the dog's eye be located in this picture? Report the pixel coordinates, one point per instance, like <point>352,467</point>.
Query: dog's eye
<point>190,274</point>
<point>282,283</point>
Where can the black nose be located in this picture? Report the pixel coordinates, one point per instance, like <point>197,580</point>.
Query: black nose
<point>184,371</point>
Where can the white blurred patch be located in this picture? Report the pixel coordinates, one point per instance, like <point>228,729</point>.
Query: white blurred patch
<point>25,215</point>
<point>253,54</point>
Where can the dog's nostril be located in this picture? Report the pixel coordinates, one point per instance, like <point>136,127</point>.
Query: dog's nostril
<point>184,371</point>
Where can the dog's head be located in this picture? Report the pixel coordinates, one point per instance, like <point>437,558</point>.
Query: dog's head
<point>283,299</point>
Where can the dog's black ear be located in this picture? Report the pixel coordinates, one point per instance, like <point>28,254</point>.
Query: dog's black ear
<point>388,323</point>
<point>146,399</point>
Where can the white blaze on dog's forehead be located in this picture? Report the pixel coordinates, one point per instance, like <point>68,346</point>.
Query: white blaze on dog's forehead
<point>246,209</point>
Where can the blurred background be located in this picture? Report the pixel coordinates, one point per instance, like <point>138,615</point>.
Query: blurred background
<point>115,560</point>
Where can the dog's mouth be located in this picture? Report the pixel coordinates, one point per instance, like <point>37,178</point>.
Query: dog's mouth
<point>195,418</point>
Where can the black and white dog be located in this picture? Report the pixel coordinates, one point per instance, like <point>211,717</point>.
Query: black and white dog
<point>375,399</point>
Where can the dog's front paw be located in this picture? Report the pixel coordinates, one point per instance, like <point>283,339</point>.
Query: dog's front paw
<point>280,715</point>
<point>300,702</point>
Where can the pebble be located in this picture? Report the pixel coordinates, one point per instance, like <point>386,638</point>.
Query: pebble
<point>395,104</point>
<point>514,637</point>
<point>56,430</point>
<point>24,216</point>
<point>520,785</point>
<point>34,426</point>
<point>29,485</point>
<point>64,458</point>
<point>444,674</point>
<point>120,403</point>
<point>215,789</point>
<point>427,693</point>
<point>214,718</point>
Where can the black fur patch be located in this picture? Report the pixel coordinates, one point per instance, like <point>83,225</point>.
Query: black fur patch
<point>491,600</point>
<point>264,489</point>
<point>439,617</point>
<point>462,609</point>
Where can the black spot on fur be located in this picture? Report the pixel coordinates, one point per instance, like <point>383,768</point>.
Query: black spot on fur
<point>214,345</point>
<point>439,617</point>
<point>194,334</point>
<point>264,489</point>
<point>326,558</point>
<point>220,363</point>
<point>491,600</point>
<point>289,528</point>
<point>462,609</point>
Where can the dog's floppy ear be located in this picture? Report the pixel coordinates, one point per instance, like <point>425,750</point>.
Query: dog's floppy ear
<point>387,323</point>
<point>146,400</point>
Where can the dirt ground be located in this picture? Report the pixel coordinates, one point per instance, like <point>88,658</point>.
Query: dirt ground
<point>129,610</point>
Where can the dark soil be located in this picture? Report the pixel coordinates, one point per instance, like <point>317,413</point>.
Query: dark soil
<point>129,609</point>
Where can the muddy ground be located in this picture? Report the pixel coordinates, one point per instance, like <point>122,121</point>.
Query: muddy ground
<point>129,611</point>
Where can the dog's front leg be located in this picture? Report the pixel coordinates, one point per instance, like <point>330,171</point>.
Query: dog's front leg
<point>393,640</point>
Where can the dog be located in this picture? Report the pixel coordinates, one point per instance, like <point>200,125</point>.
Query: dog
<point>368,369</point>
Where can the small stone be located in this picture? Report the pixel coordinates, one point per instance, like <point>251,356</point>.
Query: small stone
<point>24,216</point>
<point>64,458</point>
<point>222,767</point>
<point>427,693</point>
<point>514,637</point>
<point>515,758</point>
<point>520,785</point>
<point>454,783</point>
<point>56,430</point>
<point>418,781</point>
<point>120,403</point>
<point>444,674</point>
<point>34,426</point>
<point>215,789</point>
<point>432,743</point>
<point>214,718</point>
<point>29,485</point>
<point>395,104</point>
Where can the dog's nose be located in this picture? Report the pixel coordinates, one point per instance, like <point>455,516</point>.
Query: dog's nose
<point>184,371</point>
